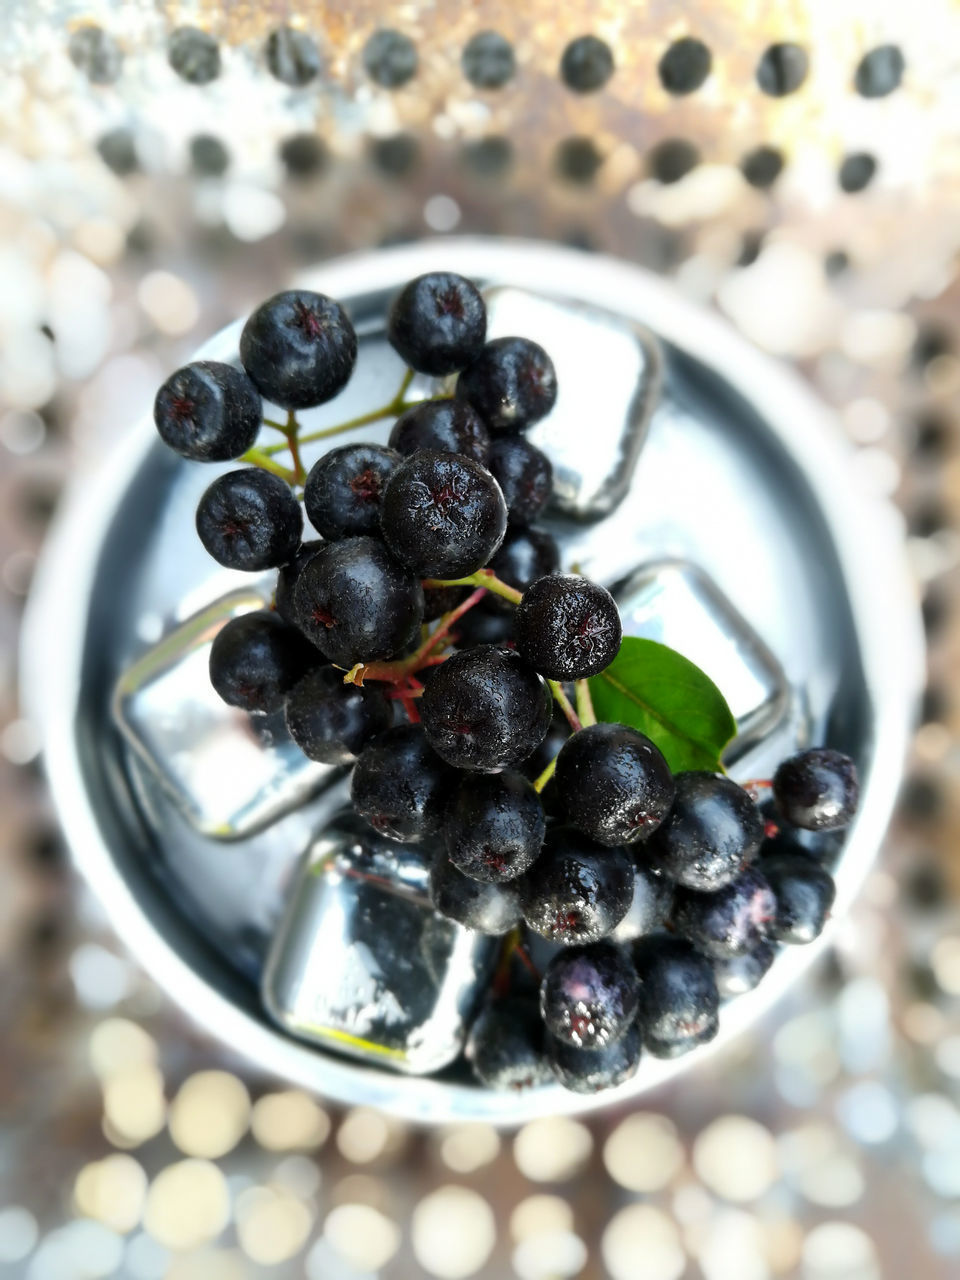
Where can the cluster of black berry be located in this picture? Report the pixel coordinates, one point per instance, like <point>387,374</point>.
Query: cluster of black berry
<point>424,638</point>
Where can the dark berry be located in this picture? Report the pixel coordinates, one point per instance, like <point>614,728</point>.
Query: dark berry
<point>568,627</point>
<point>437,323</point>
<point>649,906</point>
<point>729,922</point>
<point>512,384</point>
<point>495,826</point>
<point>331,721</point>
<point>804,892</point>
<point>525,556</point>
<point>505,1046</point>
<point>685,65</point>
<point>712,831</point>
<point>614,784</point>
<point>344,490</point>
<point>818,789</point>
<point>475,904</point>
<point>762,167</point>
<point>194,55</point>
<point>577,160</point>
<point>292,56</point>
<point>445,426</point>
<point>524,473</point>
<point>488,60</point>
<point>592,1070</point>
<point>782,69</point>
<point>94,52</point>
<point>303,156</point>
<point>588,997</point>
<point>576,891</point>
<point>587,64</point>
<point>678,993</point>
<point>401,786</point>
<point>856,172</point>
<point>395,155</point>
<point>736,975</point>
<point>287,580</point>
<point>880,71</point>
<point>390,58</point>
<point>440,600</point>
<point>299,348</point>
<point>672,159</point>
<point>249,519</point>
<point>486,623</point>
<point>443,514</point>
<point>682,1044</point>
<point>256,659</point>
<point>208,411</point>
<point>488,157</point>
<point>485,709</point>
<point>117,149</point>
<point>209,156</point>
<point>356,603</point>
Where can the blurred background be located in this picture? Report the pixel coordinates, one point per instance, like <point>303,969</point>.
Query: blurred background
<point>794,165</point>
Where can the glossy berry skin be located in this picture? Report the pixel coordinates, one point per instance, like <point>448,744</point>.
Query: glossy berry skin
<point>649,907</point>
<point>736,975</point>
<point>524,473</point>
<point>485,709</point>
<point>683,1044</point>
<point>344,490</point>
<point>356,603</point>
<point>524,556</point>
<point>576,892</point>
<point>614,784</point>
<point>299,348</point>
<point>817,790</point>
<point>495,826</point>
<point>255,659</point>
<point>445,426</point>
<point>678,994</point>
<point>437,323</point>
<point>804,894</point>
<point>506,1046</point>
<point>331,722</point>
<point>713,830</point>
<point>194,55</point>
<point>249,519</point>
<point>208,412</point>
<point>593,1070</point>
<point>589,995</point>
<point>730,922</point>
<point>400,786</point>
<point>511,384</point>
<point>568,627</point>
<point>287,580</point>
<point>443,514</point>
<point>477,905</point>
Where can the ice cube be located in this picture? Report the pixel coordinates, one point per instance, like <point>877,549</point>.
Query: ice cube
<point>362,964</point>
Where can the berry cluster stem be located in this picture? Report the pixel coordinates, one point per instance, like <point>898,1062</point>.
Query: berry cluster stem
<point>585,703</point>
<point>292,432</point>
<point>485,578</point>
<point>547,774</point>
<point>565,705</point>
<point>424,656</point>
<point>260,458</point>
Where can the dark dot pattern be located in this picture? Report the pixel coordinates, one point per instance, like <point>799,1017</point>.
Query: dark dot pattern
<point>932,340</point>
<point>292,56</point>
<point>489,157</point>
<point>95,52</point>
<point>577,160</point>
<point>194,55</point>
<point>782,69</point>
<point>750,247</point>
<point>586,64</point>
<point>856,171</point>
<point>880,71</point>
<point>395,156</point>
<point>390,58</point>
<point>118,151</point>
<point>762,166</point>
<point>685,66</point>
<point>672,159</point>
<point>209,156</point>
<point>303,155</point>
<point>488,60</point>
<point>836,263</point>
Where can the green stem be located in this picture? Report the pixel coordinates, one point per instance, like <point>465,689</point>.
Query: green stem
<point>277,426</point>
<point>259,458</point>
<point>585,703</point>
<point>482,578</point>
<point>565,704</point>
<point>547,774</point>
<point>292,432</point>
<point>395,406</point>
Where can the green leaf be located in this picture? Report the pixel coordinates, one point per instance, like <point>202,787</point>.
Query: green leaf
<point>664,695</point>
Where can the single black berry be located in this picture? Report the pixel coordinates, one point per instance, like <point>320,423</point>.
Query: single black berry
<point>117,148</point>
<point>331,721</point>
<point>525,556</point>
<point>437,323</point>
<point>303,156</point>
<point>344,490</point>
<point>880,71</point>
<point>685,65</point>
<point>442,514</point>
<point>512,384</point>
<point>390,58</point>
<point>488,60</point>
<point>817,789</point>
<point>782,69</point>
<point>856,172</point>
<point>682,1044</point>
<point>576,891</point>
<point>495,826</point>
<point>614,784</point>
<point>488,157</point>
<point>589,995</point>
<point>577,159</point>
<point>568,627</point>
<point>524,473</point>
<point>762,167</point>
<point>478,905</point>
<point>95,52</point>
<point>712,831</point>
<point>485,709</point>
<point>194,55</point>
<point>256,659</point>
<point>209,157</point>
<point>445,426</point>
<point>299,348</point>
<point>249,519</point>
<point>732,921</point>
<point>586,64</point>
<point>401,786</point>
<point>678,994</point>
<point>395,155</point>
<point>292,56</point>
<point>505,1046</point>
<point>356,603</point>
<point>208,411</point>
<point>593,1070</point>
<point>287,580</point>
<point>649,907</point>
<point>804,892</point>
<point>736,975</point>
<point>672,159</point>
